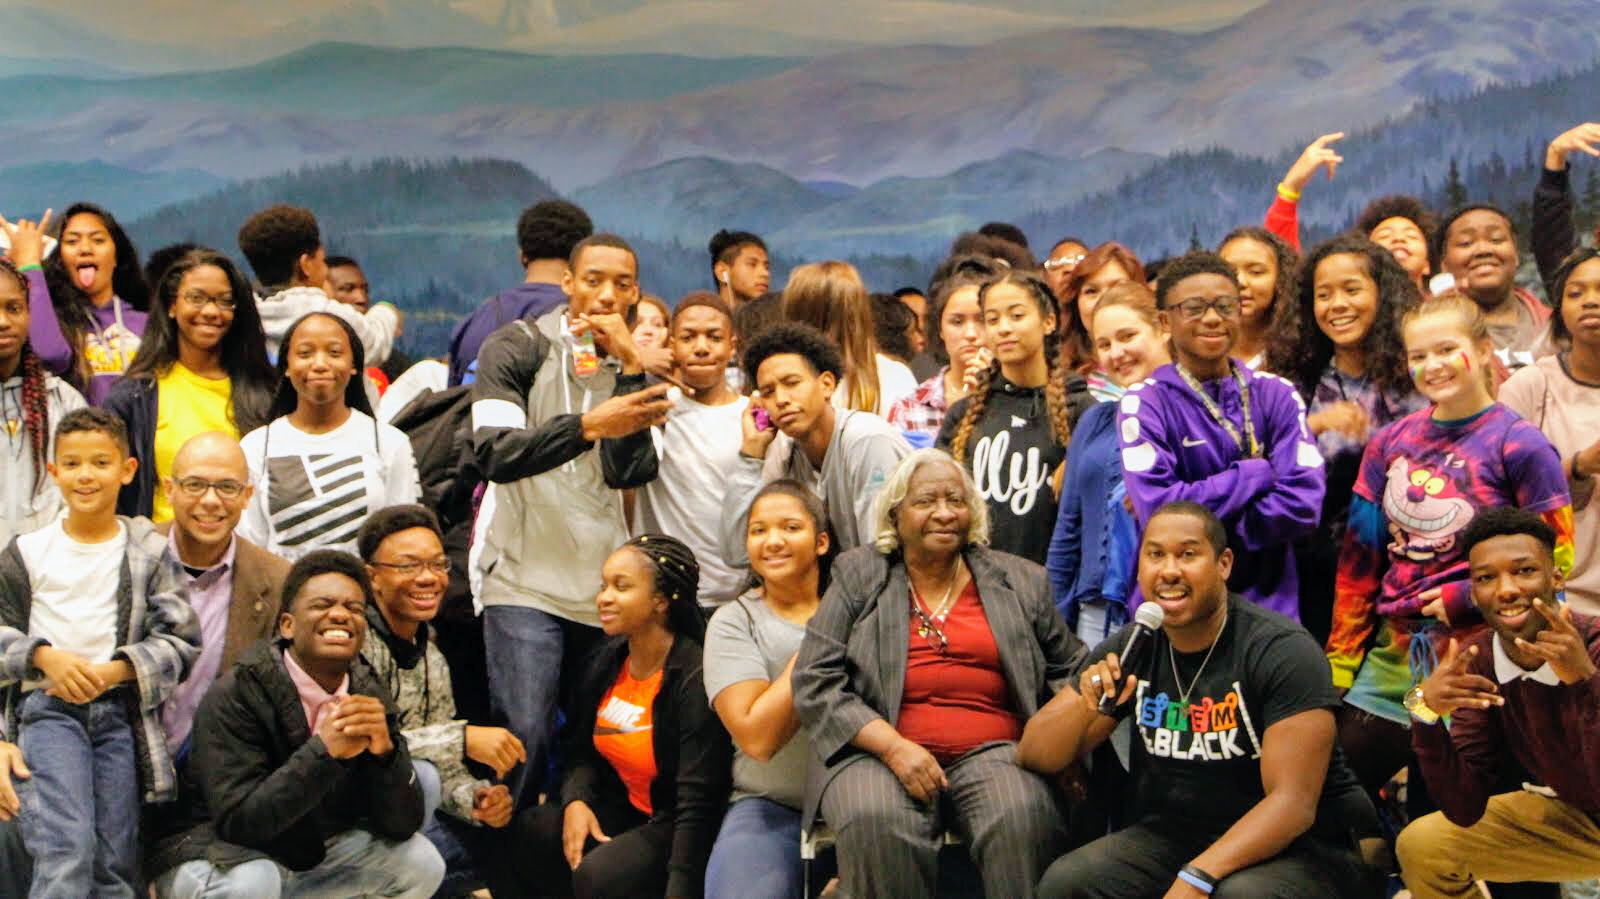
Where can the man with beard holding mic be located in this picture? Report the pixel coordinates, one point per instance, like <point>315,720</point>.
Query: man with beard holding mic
<point>1238,787</point>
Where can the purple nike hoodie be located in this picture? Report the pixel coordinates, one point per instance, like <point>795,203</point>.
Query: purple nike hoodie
<point>1173,449</point>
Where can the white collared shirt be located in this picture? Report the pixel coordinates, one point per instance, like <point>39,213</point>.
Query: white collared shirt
<point>1506,671</point>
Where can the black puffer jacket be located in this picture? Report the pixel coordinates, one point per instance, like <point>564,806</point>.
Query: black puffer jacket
<point>257,784</point>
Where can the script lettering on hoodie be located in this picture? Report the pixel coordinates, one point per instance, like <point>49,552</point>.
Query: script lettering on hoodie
<point>1008,477</point>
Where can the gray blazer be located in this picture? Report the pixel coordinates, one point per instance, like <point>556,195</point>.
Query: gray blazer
<point>852,664</point>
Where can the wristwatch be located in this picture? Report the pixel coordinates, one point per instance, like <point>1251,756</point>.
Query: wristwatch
<point>1418,706</point>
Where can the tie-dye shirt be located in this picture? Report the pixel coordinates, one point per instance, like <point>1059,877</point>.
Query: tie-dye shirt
<point>1421,483</point>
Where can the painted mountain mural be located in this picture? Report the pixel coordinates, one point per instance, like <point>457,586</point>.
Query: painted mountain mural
<point>417,129</point>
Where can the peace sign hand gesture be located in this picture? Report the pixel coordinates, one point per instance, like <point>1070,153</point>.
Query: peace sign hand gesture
<point>1560,644</point>
<point>1451,686</point>
<point>27,239</point>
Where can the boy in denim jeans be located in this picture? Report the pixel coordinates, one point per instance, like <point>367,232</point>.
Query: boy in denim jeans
<point>94,635</point>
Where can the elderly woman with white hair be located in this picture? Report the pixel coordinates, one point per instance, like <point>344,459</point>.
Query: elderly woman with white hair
<point>928,654</point>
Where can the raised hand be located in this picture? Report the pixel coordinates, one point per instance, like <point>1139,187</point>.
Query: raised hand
<point>630,413</point>
<point>754,441</point>
<point>1583,139</point>
<point>612,335</point>
<point>1451,686</point>
<point>1560,644</point>
<point>27,239</point>
<point>1318,154</point>
<point>578,824</point>
<point>1102,676</point>
<point>919,772</point>
<point>496,747</point>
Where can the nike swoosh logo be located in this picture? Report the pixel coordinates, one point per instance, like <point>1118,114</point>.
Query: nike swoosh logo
<point>1192,442</point>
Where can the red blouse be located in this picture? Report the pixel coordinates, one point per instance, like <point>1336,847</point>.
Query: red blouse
<point>957,700</point>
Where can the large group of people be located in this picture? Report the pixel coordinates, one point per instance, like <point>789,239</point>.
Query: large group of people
<point>1250,573</point>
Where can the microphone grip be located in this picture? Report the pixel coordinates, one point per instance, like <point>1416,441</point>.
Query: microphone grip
<point>1130,657</point>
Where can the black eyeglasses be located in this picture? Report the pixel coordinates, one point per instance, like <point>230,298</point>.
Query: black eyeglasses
<point>199,299</point>
<point>227,489</point>
<point>414,566</point>
<point>1194,310</point>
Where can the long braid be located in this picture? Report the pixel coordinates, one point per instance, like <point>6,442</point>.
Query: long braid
<point>976,400</point>
<point>1055,398</point>
<point>36,412</point>
<point>35,398</point>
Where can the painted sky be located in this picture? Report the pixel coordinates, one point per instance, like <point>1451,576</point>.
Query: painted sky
<point>173,35</point>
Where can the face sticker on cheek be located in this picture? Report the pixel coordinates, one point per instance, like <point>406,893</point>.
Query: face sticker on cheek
<point>1416,371</point>
<point>1466,362</point>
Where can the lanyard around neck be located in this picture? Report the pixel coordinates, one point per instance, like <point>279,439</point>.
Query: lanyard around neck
<point>1247,444</point>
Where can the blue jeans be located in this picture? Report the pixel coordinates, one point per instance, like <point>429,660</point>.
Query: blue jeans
<point>533,658</point>
<point>757,853</point>
<point>432,789</point>
<point>357,864</point>
<point>16,868</point>
<point>80,809</point>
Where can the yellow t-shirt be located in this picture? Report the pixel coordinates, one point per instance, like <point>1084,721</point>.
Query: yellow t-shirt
<point>186,405</point>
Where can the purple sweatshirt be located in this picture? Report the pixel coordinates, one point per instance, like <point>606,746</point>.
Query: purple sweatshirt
<point>1172,449</point>
<point>110,348</point>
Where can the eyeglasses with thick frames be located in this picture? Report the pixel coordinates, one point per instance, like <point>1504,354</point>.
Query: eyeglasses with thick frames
<point>1194,310</point>
<point>199,299</point>
<point>414,566</point>
<point>227,488</point>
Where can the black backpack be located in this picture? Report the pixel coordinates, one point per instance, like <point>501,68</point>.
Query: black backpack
<point>439,425</point>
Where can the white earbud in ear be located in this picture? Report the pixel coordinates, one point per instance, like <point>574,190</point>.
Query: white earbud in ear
<point>724,277</point>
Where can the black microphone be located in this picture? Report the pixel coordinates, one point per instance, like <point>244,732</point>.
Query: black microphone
<point>1146,621</point>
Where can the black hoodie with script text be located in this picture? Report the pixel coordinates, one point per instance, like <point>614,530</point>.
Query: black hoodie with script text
<point>1013,456</point>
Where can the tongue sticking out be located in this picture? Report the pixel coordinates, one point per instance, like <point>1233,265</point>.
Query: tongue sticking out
<point>86,275</point>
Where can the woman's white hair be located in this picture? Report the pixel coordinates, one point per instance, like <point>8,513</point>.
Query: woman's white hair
<point>886,539</point>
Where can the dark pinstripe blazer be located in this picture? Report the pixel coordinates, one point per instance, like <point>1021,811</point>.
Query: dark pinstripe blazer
<point>852,664</point>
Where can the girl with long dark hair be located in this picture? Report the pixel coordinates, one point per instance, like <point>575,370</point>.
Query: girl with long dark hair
<point>1338,342</point>
<point>322,463</point>
<point>100,301</point>
<point>1012,430</point>
<point>1266,267</point>
<point>202,366</point>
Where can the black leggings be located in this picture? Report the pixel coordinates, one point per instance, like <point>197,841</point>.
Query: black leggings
<point>633,864</point>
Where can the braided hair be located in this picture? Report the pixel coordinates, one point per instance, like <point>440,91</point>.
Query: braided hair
<point>1055,391</point>
<point>35,393</point>
<point>677,576</point>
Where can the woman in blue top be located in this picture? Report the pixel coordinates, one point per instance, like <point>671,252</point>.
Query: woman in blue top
<point>1091,552</point>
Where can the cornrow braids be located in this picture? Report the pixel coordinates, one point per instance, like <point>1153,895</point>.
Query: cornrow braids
<point>677,575</point>
<point>36,413</point>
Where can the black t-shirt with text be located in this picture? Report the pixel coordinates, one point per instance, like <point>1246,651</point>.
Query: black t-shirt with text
<point>1199,762</point>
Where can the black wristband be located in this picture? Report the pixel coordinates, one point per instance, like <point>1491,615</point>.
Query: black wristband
<point>1198,874</point>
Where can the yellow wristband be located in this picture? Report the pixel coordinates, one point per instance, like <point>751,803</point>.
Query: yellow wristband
<point>1288,194</point>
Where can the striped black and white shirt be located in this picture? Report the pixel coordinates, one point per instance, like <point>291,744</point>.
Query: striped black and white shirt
<point>313,491</point>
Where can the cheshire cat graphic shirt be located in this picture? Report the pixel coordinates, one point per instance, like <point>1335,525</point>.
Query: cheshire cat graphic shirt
<point>1197,734</point>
